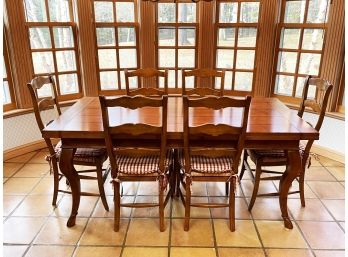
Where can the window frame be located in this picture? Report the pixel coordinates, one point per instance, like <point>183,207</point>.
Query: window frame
<point>50,25</point>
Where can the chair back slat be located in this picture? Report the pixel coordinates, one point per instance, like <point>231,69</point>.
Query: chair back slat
<point>217,102</point>
<point>133,102</point>
<point>215,130</point>
<point>135,129</point>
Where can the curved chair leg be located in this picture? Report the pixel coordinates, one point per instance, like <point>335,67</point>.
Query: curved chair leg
<point>117,203</point>
<point>99,167</point>
<point>231,205</point>
<point>187,204</point>
<point>301,187</point>
<point>55,182</point>
<point>161,204</point>
<point>256,186</point>
<point>245,158</point>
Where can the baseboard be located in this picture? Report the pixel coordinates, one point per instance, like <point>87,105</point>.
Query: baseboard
<point>329,153</point>
<point>26,148</point>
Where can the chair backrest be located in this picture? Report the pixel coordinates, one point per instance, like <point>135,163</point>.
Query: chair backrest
<point>147,73</point>
<point>111,133</point>
<point>227,138</point>
<point>41,104</point>
<point>203,73</point>
<point>318,104</point>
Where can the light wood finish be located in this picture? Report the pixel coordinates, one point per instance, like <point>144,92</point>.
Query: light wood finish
<point>271,125</point>
<point>112,133</point>
<point>203,73</point>
<point>41,104</point>
<point>317,105</point>
<point>234,135</point>
<point>142,89</point>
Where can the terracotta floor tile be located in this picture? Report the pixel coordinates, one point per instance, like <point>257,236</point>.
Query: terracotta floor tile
<point>327,190</point>
<point>46,186</point>
<point>190,252</point>
<point>336,208</point>
<point>179,209</point>
<point>266,208</point>
<point>327,253</point>
<point>22,158</point>
<point>265,187</point>
<point>337,172</point>
<point>10,202</point>
<point>129,188</point>
<point>145,232</point>
<point>19,186</point>
<point>44,251</point>
<point>288,253</point>
<point>240,252</point>
<point>323,235</point>
<point>101,232</point>
<point>314,210</point>
<point>318,174</point>
<point>244,236</point>
<point>100,211</point>
<point>20,230</point>
<point>295,187</point>
<point>274,234</point>
<point>145,252</point>
<point>55,231</point>
<point>35,205</point>
<point>216,188</point>
<point>148,188</point>
<point>90,251</point>
<point>11,168</point>
<point>200,233</point>
<point>33,171</point>
<point>39,157</point>
<point>14,250</point>
<point>148,212</point>
<point>87,204</point>
<point>199,188</point>
<point>241,208</point>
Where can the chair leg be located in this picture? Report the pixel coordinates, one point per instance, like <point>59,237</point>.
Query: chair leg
<point>231,205</point>
<point>187,204</point>
<point>117,200</point>
<point>55,182</point>
<point>256,185</point>
<point>301,187</point>
<point>245,159</point>
<point>161,204</point>
<point>101,185</point>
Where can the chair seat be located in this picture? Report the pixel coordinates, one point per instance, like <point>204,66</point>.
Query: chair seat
<point>85,155</point>
<point>141,165</point>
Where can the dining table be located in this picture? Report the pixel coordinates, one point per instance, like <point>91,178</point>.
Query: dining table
<point>271,125</point>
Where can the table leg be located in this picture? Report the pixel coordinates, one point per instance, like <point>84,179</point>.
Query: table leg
<point>67,168</point>
<point>292,171</point>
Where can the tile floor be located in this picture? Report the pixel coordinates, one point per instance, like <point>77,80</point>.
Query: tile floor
<point>32,227</point>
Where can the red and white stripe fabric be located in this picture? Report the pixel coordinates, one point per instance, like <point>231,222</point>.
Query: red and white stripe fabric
<point>273,153</point>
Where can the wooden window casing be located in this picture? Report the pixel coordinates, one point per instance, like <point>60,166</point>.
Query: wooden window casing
<point>62,56</point>
<point>294,79</point>
<point>248,45</point>
<point>8,92</point>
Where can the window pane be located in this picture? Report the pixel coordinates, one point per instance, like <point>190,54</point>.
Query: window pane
<point>126,36</point>
<point>106,37</point>
<point>107,58</point>
<point>284,85</point>
<point>133,81</point>
<point>249,12</point>
<point>224,58</point>
<point>166,12</point>
<point>171,79</point>
<point>294,11</point>
<point>59,10</point>
<point>228,12</point>
<point>43,62</point>
<point>6,96</point>
<point>243,81</point>
<point>317,11</point>
<point>186,58</point>
<point>125,11</point>
<point>166,57</point>
<point>66,60</point>
<point>108,80</point>
<point>39,37</point>
<point>103,12</point>
<point>290,38</point>
<point>247,37</point>
<point>309,64</point>
<point>46,90</point>
<point>226,37</point>
<point>187,12</point>
<point>287,62</point>
<point>190,81</point>
<point>299,88</point>
<point>245,59</point>
<point>128,58</point>
<point>186,37</point>
<point>35,10</point>
<point>228,80</point>
<point>166,37</point>
<point>68,84</point>
<point>312,39</point>
<point>63,37</point>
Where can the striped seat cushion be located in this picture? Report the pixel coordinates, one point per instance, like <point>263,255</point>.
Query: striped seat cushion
<point>141,165</point>
<point>87,155</point>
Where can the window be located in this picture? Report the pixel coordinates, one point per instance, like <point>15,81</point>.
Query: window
<point>117,43</point>
<point>7,85</point>
<point>301,39</point>
<point>237,28</point>
<point>53,43</point>
<point>177,39</point>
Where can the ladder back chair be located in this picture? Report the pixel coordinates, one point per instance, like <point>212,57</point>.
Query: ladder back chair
<point>212,151</point>
<point>147,73</point>
<point>279,157</point>
<point>83,156</point>
<point>137,163</point>
<point>203,73</point>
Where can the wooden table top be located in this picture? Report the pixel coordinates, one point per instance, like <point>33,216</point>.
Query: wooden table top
<point>269,119</point>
